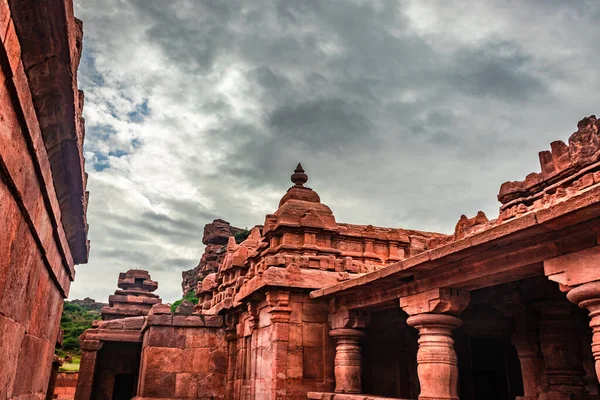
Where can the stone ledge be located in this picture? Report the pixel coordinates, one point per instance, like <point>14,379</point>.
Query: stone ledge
<point>341,396</point>
<point>194,320</point>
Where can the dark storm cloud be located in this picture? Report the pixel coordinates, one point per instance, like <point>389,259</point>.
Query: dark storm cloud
<point>404,113</point>
<point>319,124</point>
<point>498,69</point>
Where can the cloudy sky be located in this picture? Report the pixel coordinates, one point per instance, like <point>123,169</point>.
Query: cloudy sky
<point>404,114</point>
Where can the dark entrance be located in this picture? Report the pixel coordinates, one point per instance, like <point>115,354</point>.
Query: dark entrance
<point>489,369</point>
<point>125,385</point>
<point>117,369</point>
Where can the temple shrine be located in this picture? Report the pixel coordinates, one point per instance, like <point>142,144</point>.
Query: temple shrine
<point>307,307</point>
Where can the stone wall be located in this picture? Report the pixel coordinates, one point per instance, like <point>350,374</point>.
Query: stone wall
<point>37,257</point>
<point>279,359</point>
<point>183,357</point>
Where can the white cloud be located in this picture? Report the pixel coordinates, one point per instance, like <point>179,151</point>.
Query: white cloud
<point>404,114</point>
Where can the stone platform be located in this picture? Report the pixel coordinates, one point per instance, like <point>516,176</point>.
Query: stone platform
<point>344,396</point>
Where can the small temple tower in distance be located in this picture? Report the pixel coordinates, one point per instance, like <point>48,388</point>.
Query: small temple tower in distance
<point>134,297</point>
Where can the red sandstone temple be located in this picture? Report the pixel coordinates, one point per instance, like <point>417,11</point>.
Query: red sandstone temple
<point>304,307</point>
<point>309,308</point>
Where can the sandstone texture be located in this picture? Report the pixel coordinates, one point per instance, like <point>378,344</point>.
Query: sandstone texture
<point>43,198</point>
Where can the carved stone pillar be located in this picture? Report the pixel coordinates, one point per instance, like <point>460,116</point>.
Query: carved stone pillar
<point>588,296</point>
<point>437,364</point>
<point>280,330</point>
<point>87,368</point>
<point>231,337</point>
<point>559,344</point>
<point>347,364</point>
<point>345,330</point>
<point>578,274</point>
<point>525,340</point>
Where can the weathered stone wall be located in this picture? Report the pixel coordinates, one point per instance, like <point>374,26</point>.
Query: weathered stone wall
<point>297,356</point>
<point>36,257</point>
<point>183,357</point>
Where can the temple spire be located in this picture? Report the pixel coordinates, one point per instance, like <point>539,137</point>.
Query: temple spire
<point>299,178</point>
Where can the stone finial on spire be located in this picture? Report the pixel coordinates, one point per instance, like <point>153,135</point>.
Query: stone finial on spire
<point>299,178</point>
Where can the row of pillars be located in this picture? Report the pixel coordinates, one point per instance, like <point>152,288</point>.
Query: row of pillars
<point>552,372</point>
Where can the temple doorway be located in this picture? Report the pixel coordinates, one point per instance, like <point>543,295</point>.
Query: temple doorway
<point>490,369</point>
<point>125,386</point>
<point>117,370</point>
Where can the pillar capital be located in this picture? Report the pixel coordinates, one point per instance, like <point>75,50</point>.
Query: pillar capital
<point>433,321</point>
<point>574,269</point>
<point>336,333</point>
<point>353,319</point>
<point>440,300</point>
<point>279,301</point>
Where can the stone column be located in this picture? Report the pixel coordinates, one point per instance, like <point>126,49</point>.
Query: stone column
<point>347,363</point>
<point>231,337</point>
<point>345,329</point>
<point>525,340</point>
<point>280,331</point>
<point>559,344</point>
<point>587,296</point>
<point>578,274</point>
<point>85,379</point>
<point>433,314</point>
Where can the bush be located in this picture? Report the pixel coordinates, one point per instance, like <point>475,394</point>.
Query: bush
<point>241,236</point>
<point>74,321</point>
<point>189,296</point>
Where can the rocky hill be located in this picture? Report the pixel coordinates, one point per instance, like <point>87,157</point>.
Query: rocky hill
<point>215,238</point>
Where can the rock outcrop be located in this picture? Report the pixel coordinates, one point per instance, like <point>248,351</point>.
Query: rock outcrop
<point>216,235</point>
<point>89,303</point>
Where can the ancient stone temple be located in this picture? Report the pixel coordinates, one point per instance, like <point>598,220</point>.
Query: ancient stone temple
<point>43,198</point>
<point>134,297</point>
<point>112,348</point>
<point>307,307</point>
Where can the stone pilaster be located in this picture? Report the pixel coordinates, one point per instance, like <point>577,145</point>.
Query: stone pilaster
<point>433,314</point>
<point>587,296</point>
<point>578,274</point>
<point>280,331</point>
<point>563,367</point>
<point>231,337</point>
<point>345,329</point>
<point>525,340</point>
<point>87,368</point>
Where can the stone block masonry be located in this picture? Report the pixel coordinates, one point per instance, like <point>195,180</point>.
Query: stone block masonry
<point>183,357</point>
<point>43,230</point>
